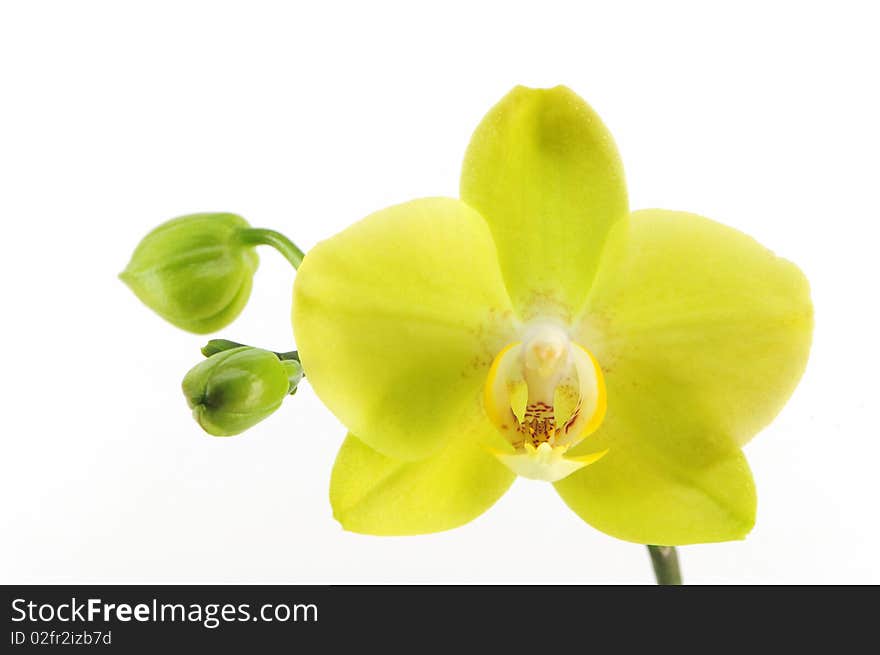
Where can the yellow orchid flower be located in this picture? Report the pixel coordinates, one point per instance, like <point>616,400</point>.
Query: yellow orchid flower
<point>537,327</point>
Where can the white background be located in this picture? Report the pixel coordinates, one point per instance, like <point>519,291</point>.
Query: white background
<point>305,117</point>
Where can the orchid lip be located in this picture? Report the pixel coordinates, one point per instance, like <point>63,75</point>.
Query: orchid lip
<point>545,394</point>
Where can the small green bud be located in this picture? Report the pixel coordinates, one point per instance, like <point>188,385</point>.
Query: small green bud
<point>194,271</point>
<point>235,389</point>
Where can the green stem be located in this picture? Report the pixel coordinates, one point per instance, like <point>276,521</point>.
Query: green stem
<point>256,236</point>
<point>215,346</point>
<point>665,561</point>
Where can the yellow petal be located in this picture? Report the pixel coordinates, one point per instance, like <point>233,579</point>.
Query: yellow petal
<point>544,172</point>
<point>397,319</point>
<point>705,316</point>
<point>375,494</point>
<point>702,334</point>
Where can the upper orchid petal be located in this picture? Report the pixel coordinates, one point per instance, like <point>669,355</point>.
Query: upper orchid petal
<point>544,172</point>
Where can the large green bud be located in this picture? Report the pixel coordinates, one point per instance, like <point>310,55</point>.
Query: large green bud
<point>234,390</point>
<point>195,271</point>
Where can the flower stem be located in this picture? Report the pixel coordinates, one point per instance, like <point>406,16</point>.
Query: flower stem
<point>256,236</point>
<point>215,346</point>
<point>665,561</point>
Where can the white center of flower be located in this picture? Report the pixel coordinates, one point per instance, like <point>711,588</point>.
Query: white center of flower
<point>545,394</point>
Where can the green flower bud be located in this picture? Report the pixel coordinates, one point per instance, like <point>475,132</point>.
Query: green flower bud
<point>194,271</point>
<point>235,389</point>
